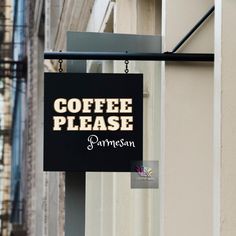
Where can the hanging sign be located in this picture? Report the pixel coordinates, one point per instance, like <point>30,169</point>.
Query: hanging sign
<point>92,122</point>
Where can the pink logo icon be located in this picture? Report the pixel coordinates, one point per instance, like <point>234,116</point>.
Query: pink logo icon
<point>144,171</point>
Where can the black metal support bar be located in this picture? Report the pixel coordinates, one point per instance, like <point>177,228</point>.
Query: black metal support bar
<point>129,56</point>
<point>199,23</point>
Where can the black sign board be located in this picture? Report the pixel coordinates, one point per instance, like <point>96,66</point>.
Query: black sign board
<point>92,122</point>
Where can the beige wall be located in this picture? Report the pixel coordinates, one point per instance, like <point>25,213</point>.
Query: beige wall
<point>187,114</point>
<point>224,119</point>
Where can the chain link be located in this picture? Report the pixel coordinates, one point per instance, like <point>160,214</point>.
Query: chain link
<point>60,61</point>
<point>126,67</point>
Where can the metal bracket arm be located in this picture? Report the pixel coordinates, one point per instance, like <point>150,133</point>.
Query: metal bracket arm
<point>204,57</point>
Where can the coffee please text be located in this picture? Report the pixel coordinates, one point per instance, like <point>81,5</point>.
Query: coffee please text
<point>93,114</point>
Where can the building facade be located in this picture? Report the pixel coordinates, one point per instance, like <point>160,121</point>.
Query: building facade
<point>6,22</point>
<point>189,123</point>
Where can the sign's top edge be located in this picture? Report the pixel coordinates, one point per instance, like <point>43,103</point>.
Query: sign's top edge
<point>101,74</point>
<point>61,74</point>
<point>113,34</point>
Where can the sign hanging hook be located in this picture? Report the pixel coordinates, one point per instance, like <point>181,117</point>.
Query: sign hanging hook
<point>60,61</point>
<point>126,66</point>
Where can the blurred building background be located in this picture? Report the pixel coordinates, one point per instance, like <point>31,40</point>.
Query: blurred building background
<point>12,80</point>
<point>189,122</point>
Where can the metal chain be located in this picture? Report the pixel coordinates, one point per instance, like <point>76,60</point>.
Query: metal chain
<point>60,61</point>
<point>126,67</point>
